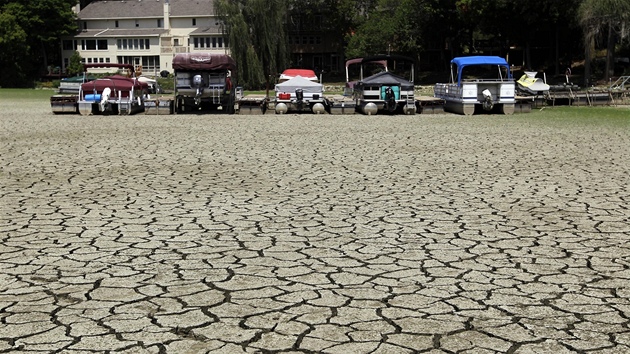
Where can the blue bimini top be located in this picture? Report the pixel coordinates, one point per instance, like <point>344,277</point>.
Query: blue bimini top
<point>463,62</point>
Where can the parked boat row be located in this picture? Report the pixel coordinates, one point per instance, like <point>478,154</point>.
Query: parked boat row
<point>116,94</point>
<point>382,84</point>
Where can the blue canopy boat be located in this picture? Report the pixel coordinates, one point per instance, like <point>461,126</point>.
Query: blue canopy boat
<point>483,82</point>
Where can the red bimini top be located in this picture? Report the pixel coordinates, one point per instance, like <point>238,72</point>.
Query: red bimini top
<point>203,61</point>
<point>305,73</point>
<point>115,83</point>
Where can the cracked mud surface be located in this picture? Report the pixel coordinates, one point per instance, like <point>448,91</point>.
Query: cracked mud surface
<point>312,234</point>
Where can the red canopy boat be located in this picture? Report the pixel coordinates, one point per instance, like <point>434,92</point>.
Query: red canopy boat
<point>116,94</point>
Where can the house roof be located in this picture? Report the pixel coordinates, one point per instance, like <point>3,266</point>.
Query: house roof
<point>113,9</point>
<point>213,29</point>
<point>147,32</point>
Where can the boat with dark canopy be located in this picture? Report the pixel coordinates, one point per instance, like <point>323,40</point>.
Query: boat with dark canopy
<point>204,81</point>
<point>385,91</point>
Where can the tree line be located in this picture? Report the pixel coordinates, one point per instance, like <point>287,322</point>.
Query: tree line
<point>550,34</point>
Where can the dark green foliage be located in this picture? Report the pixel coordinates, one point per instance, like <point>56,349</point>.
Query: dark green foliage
<point>75,66</point>
<point>29,37</point>
<point>257,38</point>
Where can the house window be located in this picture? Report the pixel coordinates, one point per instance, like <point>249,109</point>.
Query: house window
<point>151,62</point>
<point>68,45</point>
<point>159,23</point>
<point>107,60</point>
<point>116,24</point>
<point>84,25</point>
<point>209,42</point>
<point>176,41</point>
<point>137,23</point>
<point>133,44</point>
<point>194,20</point>
<point>101,44</point>
<point>88,44</point>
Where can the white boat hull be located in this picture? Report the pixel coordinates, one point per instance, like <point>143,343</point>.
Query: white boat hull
<point>465,98</point>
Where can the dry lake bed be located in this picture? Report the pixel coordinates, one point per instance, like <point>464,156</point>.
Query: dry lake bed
<point>314,234</point>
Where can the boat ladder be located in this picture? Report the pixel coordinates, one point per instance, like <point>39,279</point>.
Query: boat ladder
<point>216,94</point>
<point>411,101</point>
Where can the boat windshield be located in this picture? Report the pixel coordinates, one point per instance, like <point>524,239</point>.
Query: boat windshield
<point>484,72</point>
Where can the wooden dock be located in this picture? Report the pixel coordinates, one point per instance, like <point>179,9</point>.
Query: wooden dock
<point>429,105</point>
<point>579,98</point>
<point>253,104</point>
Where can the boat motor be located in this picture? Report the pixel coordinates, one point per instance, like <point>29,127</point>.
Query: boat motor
<point>107,92</point>
<point>299,96</point>
<point>390,99</point>
<point>487,100</point>
<point>198,84</point>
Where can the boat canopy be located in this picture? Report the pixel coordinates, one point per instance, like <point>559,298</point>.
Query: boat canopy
<point>386,78</point>
<point>361,62</point>
<point>299,82</point>
<point>203,61</point>
<point>291,73</point>
<point>118,82</point>
<point>108,65</point>
<point>462,62</point>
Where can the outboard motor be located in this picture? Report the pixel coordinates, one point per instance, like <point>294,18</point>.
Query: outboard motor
<point>198,84</point>
<point>487,100</point>
<point>105,106</point>
<point>299,95</point>
<point>390,99</point>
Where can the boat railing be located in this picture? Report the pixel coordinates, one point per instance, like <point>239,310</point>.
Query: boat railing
<point>484,80</point>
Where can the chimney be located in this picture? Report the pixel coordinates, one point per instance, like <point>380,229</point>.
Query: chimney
<point>167,15</point>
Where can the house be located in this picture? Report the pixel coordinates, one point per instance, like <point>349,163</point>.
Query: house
<point>145,33</point>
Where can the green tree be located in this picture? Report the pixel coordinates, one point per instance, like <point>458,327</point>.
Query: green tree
<point>75,64</point>
<point>598,18</point>
<point>13,53</point>
<point>393,26</point>
<point>257,36</point>
<point>39,26</point>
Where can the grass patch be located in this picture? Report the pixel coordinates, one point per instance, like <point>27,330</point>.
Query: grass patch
<point>598,115</point>
<point>25,94</point>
